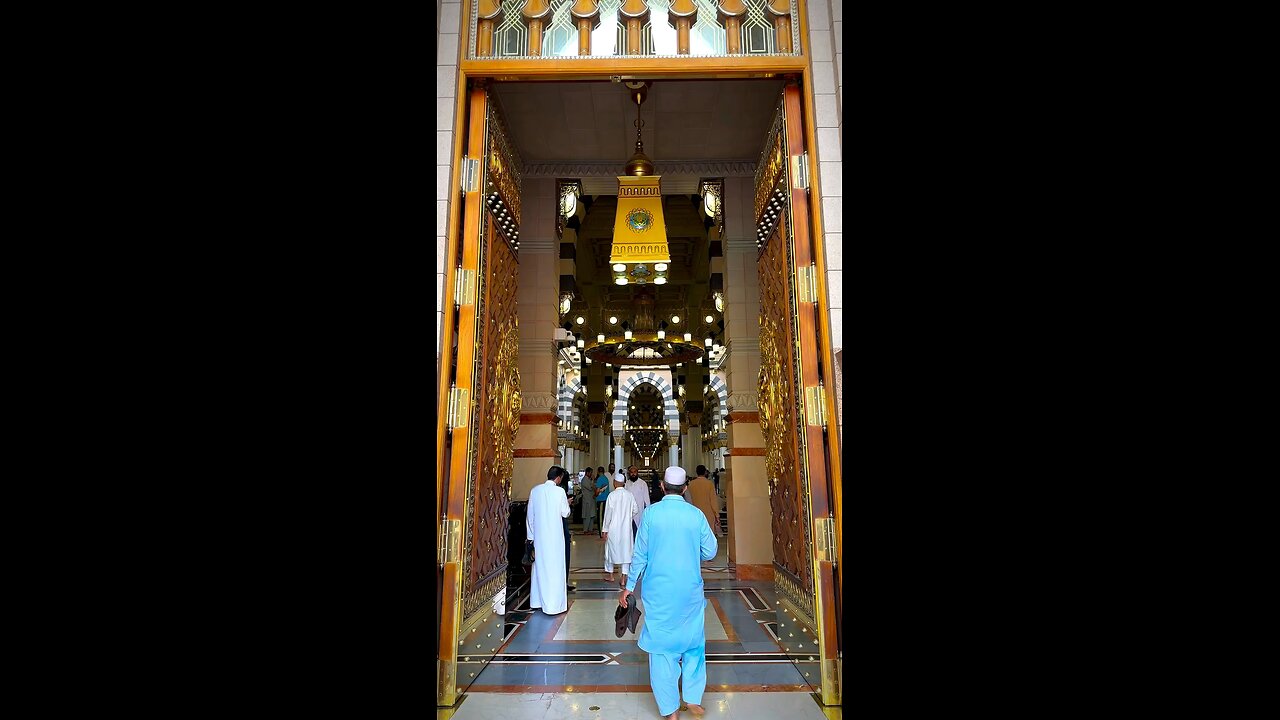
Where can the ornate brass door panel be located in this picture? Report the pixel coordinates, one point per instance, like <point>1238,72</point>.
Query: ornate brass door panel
<point>792,407</point>
<point>484,409</point>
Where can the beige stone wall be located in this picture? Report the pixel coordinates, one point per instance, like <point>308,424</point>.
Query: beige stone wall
<point>826,23</point>
<point>449,27</point>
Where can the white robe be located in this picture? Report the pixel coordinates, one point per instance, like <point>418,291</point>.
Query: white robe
<point>548,505</point>
<point>619,511</point>
<point>640,491</point>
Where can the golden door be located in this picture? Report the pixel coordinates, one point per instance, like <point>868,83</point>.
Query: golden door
<point>483,407</point>
<point>793,407</point>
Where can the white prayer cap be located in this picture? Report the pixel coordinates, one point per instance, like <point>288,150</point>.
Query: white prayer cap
<point>620,479</point>
<point>675,476</point>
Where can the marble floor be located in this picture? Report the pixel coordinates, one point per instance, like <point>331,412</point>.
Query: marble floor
<point>572,665</point>
<point>635,706</point>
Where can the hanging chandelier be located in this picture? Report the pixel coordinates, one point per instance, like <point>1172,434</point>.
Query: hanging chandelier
<point>643,343</point>
<point>640,254</point>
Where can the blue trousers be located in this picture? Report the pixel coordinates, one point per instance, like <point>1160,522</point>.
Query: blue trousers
<point>666,673</point>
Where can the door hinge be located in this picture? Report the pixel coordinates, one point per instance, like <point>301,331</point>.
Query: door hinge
<point>464,287</point>
<point>800,171</point>
<point>450,547</point>
<point>470,174</point>
<point>815,406</point>
<point>458,409</point>
<point>824,539</point>
<point>807,284</point>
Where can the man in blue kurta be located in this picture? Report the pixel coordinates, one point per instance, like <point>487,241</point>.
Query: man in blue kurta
<point>673,541</point>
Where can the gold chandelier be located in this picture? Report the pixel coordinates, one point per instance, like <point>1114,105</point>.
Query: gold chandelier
<point>639,253</point>
<point>644,344</point>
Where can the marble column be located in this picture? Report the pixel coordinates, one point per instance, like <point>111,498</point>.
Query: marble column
<point>599,448</point>
<point>536,300</point>
<point>744,483</point>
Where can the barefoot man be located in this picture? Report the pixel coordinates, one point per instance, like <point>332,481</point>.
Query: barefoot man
<point>674,538</point>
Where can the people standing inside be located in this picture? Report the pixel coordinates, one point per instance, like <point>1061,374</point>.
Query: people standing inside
<point>639,489</point>
<point>674,538</point>
<point>619,515</point>
<point>548,508</point>
<point>715,480</point>
<point>655,492</point>
<point>589,501</point>
<point>703,496</point>
<point>602,495</point>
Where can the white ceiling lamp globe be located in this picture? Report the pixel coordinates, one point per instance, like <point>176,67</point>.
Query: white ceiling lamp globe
<point>619,267</point>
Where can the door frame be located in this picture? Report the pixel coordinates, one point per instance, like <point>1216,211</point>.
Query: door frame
<point>622,66</point>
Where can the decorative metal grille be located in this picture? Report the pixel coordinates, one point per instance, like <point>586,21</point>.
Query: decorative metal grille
<point>706,37</point>
<point>657,37</point>
<point>610,37</point>
<point>511,38</point>
<point>757,31</point>
<point>561,35</point>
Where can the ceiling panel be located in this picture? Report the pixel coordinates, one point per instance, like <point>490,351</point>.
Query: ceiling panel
<point>684,120</point>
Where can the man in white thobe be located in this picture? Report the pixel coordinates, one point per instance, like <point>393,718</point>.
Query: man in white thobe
<point>619,512</point>
<point>548,506</point>
<point>639,489</point>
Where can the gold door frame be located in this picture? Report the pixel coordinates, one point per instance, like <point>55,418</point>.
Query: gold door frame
<point>628,67</point>
<point>793,409</point>
<point>482,412</point>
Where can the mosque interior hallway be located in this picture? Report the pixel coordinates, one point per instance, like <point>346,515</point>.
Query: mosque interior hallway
<point>572,666</point>
<point>602,307</point>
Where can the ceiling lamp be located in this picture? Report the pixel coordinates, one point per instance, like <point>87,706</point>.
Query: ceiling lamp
<point>639,229</point>
<point>642,341</point>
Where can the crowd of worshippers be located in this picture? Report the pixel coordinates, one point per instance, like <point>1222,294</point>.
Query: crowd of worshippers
<point>657,549</point>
